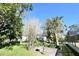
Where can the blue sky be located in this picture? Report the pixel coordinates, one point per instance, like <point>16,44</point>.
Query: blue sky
<point>42,11</point>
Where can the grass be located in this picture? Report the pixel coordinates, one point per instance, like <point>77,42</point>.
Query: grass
<point>66,51</point>
<point>17,51</point>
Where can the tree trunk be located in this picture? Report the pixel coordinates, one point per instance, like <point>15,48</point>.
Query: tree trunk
<point>30,44</point>
<point>57,42</point>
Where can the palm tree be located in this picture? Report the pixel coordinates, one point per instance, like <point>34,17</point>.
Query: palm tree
<point>57,26</point>
<point>54,27</point>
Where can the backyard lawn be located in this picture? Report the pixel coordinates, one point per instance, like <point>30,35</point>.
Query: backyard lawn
<point>18,51</point>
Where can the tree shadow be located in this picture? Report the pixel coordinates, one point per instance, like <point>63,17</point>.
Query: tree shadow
<point>9,44</point>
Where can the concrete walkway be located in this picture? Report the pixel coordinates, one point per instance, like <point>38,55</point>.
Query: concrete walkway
<point>58,53</point>
<point>48,51</point>
<point>51,51</point>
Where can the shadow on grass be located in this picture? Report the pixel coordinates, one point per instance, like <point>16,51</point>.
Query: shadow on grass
<point>9,45</point>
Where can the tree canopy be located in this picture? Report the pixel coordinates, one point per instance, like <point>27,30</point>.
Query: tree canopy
<point>54,26</point>
<point>11,21</point>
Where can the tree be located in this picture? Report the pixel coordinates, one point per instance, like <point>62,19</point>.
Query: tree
<point>54,27</point>
<point>48,29</point>
<point>73,33</point>
<point>32,30</point>
<point>57,28</point>
<point>11,21</point>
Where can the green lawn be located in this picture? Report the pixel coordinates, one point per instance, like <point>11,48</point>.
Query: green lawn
<point>17,51</point>
<point>66,51</point>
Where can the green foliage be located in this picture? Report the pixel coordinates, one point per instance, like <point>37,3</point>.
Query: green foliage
<point>57,25</point>
<point>38,43</point>
<point>53,27</point>
<point>48,28</point>
<point>11,21</point>
<point>66,51</point>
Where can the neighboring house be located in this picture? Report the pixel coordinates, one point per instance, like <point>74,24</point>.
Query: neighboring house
<point>42,37</point>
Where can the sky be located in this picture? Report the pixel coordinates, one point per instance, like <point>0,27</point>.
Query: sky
<point>42,11</point>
